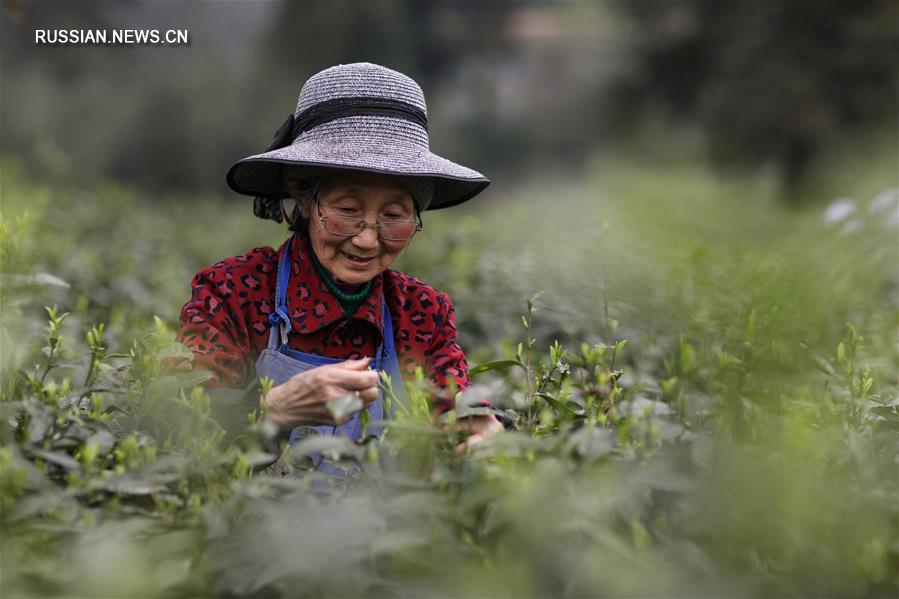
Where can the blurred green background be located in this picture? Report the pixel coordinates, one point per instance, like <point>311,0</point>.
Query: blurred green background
<point>726,120</point>
<point>713,182</point>
<point>517,89</point>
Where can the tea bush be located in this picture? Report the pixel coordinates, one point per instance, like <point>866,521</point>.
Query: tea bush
<point>702,407</point>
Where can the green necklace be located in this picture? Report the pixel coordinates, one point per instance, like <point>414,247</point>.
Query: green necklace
<point>348,300</point>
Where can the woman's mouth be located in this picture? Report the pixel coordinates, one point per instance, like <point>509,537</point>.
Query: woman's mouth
<point>360,261</point>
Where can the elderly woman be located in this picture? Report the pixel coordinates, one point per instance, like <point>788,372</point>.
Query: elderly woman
<point>324,315</point>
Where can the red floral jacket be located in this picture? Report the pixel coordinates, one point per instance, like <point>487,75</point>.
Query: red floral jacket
<point>225,322</point>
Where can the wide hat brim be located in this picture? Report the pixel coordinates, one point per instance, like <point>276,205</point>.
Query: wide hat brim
<point>257,175</point>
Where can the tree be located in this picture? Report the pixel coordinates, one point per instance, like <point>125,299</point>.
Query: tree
<point>766,81</point>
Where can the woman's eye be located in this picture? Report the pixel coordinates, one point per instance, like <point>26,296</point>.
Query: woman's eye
<point>394,216</point>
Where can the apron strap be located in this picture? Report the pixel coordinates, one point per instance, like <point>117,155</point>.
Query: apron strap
<point>279,317</point>
<point>387,328</point>
<point>388,359</point>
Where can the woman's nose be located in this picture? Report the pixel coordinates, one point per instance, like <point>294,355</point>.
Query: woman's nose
<point>367,239</point>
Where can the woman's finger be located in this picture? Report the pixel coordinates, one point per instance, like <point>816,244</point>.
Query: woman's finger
<point>360,364</point>
<point>470,442</point>
<point>368,395</point>
<point>480,428</point>
<point>353,380</point>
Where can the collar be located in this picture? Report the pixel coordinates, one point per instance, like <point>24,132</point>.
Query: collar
<point>311,305</point>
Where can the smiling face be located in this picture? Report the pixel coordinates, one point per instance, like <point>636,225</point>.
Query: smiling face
<point>355,260</point>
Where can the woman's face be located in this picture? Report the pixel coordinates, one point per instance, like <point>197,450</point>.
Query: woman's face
<point>355,260</point>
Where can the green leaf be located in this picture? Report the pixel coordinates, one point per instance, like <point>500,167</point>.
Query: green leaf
<point>103,440</point>
<point>495,365</point>
<point>126,485</point>
<point>175,350</point>
<point>411,427</point>
<point>825,366</point>
<point>548,398</point>
<point>56,457</point>
<point>642,406</point>
<point>195,378</point>
<point>343,407</point>
<point>866,385</point>
<point>669,385</point>
<point>591,443</point>
<point>687,357</point>
<point>533,299</point>
<point>750,326</point>
<point>392,542</point>
<point>641,536</point>
<point>256,459</point>
<point>331,446</point>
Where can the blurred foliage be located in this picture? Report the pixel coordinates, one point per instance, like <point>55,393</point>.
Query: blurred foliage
<point>769,82</point>
<point>705,401</point>
<point>511,86</point>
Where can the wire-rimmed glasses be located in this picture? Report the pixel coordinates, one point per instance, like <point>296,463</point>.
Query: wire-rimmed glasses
<point>350,226</point>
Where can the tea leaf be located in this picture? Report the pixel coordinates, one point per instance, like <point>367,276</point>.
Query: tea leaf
<point>59,458</point>
<point>343,407</point>
<point>495,365</point>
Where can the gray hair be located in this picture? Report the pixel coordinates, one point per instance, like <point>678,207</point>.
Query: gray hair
<point>309,190</point>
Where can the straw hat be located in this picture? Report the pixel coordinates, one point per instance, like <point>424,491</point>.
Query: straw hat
<point>362,117</point>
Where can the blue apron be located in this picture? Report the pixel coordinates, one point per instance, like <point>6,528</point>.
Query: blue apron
<point>279,363</point>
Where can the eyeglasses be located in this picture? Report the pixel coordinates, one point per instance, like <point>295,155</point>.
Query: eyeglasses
<point>350,226</point>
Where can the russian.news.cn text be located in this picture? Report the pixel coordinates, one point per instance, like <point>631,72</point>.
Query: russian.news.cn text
<point>112,37</point>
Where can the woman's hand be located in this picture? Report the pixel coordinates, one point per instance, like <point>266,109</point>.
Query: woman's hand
<point>302,400</point>
<point>478,429</point>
